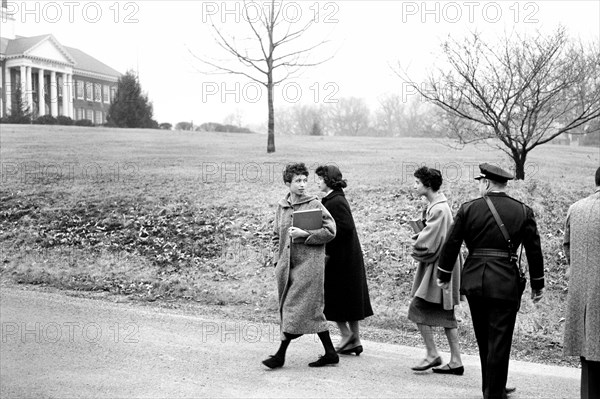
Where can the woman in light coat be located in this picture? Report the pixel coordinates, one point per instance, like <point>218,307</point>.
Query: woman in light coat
<point>300,269</point>
<point>431,305</point>
<point>582,326</point>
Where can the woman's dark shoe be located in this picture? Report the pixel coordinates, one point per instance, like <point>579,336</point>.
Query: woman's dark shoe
<point>274,362</point>
<point>328,358</point>
<point>427,365</point>
<point>357,350</point>
<point>347,345</point>
<point>449,370</point>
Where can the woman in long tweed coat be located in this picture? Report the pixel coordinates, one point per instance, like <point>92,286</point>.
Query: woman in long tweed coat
<point>431,305</point>
<point>300,269</point>
<point>582,327</point>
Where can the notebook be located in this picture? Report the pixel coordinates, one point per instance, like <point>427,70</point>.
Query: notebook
<point>311,219</point>
<point>417,225</point>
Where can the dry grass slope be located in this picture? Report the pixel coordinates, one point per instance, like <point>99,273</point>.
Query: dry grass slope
<point>180,215</point>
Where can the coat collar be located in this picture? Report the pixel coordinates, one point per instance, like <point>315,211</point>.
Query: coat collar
<point>287,201</point>
<point>496,194</point>
<point>334,193</point>
<point>440,198</point>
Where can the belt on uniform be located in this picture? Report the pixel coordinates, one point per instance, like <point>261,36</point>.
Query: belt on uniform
<point>494,253</point>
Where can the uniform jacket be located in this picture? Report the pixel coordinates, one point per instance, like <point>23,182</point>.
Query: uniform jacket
<point>493,277</point>
<point>427,249</point>
<point>300,268</point>
<point>582,238</point>
<point>346,291</point>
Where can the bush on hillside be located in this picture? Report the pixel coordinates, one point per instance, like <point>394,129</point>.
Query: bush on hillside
<point>83,122</point>
<point>45,120</point>
<point>64,120</point>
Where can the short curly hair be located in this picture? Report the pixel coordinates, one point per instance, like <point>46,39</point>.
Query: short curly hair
<point>293,169</point>
<point>331,176</point>
<point>430,177</point>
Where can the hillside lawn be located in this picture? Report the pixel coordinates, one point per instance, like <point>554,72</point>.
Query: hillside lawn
<point>175,217</point>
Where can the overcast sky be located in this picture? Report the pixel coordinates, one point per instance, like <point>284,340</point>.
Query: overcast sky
<point>366,38</point>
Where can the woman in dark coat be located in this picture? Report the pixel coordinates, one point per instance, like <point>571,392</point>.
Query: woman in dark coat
<point>346,292</point>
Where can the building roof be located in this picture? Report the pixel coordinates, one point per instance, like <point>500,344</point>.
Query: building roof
<point>78,59</point>
<point>3,45</point>
<point>86,62</point>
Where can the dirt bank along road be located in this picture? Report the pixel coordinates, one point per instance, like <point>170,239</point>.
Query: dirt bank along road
<point>54,345</point>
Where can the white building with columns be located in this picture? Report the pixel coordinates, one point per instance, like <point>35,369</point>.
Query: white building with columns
<point>53,79</point>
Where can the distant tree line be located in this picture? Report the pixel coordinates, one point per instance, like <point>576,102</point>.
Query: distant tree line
<point>212,127</point>
<point>351,116</point>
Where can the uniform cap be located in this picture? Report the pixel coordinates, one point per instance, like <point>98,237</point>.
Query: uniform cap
<point>494,173</point>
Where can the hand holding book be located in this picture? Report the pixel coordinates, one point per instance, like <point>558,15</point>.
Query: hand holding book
<point>417,225</point>
<point>302,221</point>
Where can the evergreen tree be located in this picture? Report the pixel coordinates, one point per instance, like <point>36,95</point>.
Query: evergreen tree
<point>131,108</point>
<point>20,112</point>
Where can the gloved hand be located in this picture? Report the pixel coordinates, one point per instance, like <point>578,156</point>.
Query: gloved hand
<point>536,295</point>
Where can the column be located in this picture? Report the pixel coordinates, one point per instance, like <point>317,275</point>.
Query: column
<point>41,93</point>
<point>2,91</point>
<point>8,81</point>
<point>53,95</point>
<point>71,94</point>
<point>65,96</point>
<point>29,89</point>
<point>23,77</point>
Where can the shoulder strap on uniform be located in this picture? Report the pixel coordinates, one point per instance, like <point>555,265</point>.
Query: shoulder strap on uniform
<point>499,221</point>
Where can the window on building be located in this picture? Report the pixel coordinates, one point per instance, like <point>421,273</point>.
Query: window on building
<point>89,91</point>
<point>99,120</point>
<point>80,89</point>
<point>106,94</point>
<point>60,81</point>
<point>89,114</point>
<point>98,92</point>
<point>113,94</point>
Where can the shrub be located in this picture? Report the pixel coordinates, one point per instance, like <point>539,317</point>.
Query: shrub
<point>17,119</point>
<point>45,120</point>
<point>64,120</point>
<point>83,122</point>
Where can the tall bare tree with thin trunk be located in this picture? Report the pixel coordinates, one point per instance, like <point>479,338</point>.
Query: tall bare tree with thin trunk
<point>517,94</point>
<point>268,56</point>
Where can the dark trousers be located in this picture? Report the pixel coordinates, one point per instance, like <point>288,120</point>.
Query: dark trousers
<point>590,379</point>
<point>494,323</point>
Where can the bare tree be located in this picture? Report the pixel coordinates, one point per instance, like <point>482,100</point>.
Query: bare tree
<point>305,116</point>
<point>348,117</point>
<point>235,118</point>
<point>388,116</point>
<point>521,92</point>
<point>268,50</point>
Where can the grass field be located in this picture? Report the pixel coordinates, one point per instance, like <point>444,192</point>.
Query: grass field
<point>160,215</point>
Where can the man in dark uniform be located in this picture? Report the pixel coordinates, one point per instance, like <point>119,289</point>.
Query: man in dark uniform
<point>490,279</point>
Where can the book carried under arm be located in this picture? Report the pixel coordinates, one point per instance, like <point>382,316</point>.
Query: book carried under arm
<point>310,219</point>
<point>417,225</point>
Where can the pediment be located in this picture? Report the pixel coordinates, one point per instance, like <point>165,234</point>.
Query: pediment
<point>49,50</point>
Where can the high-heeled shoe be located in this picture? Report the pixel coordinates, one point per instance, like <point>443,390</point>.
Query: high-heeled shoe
<point>348,345</point>
<point>357,350</point>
